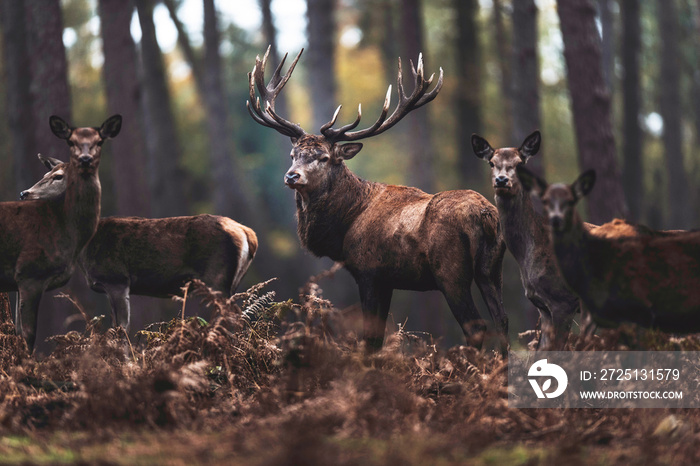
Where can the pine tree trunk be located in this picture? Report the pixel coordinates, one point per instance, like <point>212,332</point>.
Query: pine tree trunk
<point>633,179</point>
<point>124,96</point>
<point>504,52</point>
<point>670,109</point>
<point>321,30</point>
<point>591,108</point>
<point>166,177</point>
<point>526,79</point>
<point>421,172</point>
<point>469,84</point>
<point>19,113</point>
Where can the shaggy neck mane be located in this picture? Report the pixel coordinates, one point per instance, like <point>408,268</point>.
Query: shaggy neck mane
<point>330,210</point>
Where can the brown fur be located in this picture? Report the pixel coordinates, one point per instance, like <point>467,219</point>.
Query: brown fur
<point>395,237</point>
<point>41,240</point>
<point>156,257</point>
<point>651,280</point>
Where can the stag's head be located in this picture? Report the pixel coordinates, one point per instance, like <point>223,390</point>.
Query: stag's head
<point>85,143</point>
<point>52,185</point>
<point>315,157</point>
<point>559,199</point>
<point>503,162</point>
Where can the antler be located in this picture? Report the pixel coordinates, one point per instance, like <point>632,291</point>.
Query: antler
<point>268,94</point>
<point>417,99</point>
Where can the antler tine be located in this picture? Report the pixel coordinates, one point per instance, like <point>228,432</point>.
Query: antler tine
<point>332,122</point>
<point>268,94</point>
<point>418,97</point>
<point>331,133</point>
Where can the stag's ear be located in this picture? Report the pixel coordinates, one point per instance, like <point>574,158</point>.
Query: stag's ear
<point>481,147</point>
<point>49,162</point>
<point>531,182</point>
<point>531,145</point>
<point>59,127</point>
<point>347,151</point>
<point>583,184</point>
<point>111,127</point>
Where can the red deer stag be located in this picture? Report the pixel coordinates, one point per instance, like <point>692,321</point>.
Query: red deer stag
<point>155,257</point>
<point>41,240</point>
<point>651,280</point>
<point>388,237</point>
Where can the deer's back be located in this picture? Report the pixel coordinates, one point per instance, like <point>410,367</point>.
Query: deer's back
<point>649,280</point>
<point>404,234</point>
<point>157,256</point>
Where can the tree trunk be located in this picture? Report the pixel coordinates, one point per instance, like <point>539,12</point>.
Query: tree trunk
<point>633,179</point>
<point>607,42</point>
<point>469,88</point>
<point>591,108</point>
<point>321,59</point>
<point>670,108</point>
<point>49,94</point>
<point>166,177</point>
<point>421,171</point>
<point>526,78</point>
<point>504,52</point>
<point>19,113</point>
<point>120,74</point>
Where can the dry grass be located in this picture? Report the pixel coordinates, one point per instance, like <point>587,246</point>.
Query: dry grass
<point>286,383</point>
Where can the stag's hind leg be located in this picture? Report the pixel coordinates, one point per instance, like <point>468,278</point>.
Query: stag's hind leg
<point>488,275</point>
<point>459,297</point>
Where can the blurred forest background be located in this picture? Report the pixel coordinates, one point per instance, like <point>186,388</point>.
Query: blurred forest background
<point>612,84</point>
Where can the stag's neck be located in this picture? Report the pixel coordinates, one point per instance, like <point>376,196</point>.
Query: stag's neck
<point>525,230</point>
<point>82,206</point>
<point>325,215</point>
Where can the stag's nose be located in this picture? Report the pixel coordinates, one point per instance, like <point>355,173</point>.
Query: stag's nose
<point>291,178</point>
<point>23,195</point>
<point>501,181</point>
<point>85,160</point>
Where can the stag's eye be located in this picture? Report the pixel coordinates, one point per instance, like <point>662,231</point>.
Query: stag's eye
<point>491,164</point>
<point>324,158</point>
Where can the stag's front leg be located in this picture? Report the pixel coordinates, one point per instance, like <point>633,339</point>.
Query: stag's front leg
<point>375,300</point>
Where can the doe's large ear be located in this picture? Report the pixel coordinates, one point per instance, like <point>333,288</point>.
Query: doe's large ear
<point>111,127</point>
<point>481,147</point>
<point>59,127</point>
<point>531,144</point>
<point>531,182</point>
<point>347,151</point>
<point>583,184</point>
<point>49,162</point>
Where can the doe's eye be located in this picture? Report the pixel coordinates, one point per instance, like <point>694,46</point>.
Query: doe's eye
<point>491,164</point>
<point>58,177</point>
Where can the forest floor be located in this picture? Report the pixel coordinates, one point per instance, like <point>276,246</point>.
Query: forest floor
<point>264,383</point>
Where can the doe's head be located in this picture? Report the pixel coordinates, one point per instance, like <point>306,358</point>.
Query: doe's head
<point>503,162</point>
<point>85,143</point>
<point>53,183</point>
<point>559,199</point>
